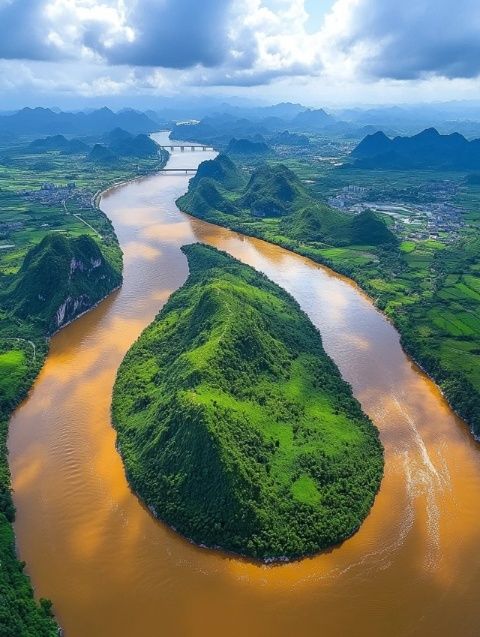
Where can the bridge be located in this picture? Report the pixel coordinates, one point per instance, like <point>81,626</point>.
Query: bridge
<point>192,147</point>
<point>186,171</point>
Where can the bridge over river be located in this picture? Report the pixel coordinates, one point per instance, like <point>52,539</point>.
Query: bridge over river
<point>183,171</point>
<point>112,569</point>
<point>192,147</point>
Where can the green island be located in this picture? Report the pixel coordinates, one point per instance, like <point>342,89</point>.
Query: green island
<point>235,426</point>
<point>413,246</point>
<point>59,256</point>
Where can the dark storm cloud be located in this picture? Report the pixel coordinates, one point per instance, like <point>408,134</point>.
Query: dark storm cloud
<point>167,33</point>
<point>403,39</point>
<point>22,31</point>
<point>415,38</point>
<point>175,34</point>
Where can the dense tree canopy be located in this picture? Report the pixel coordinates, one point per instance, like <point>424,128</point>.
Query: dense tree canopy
<point>235,426</point>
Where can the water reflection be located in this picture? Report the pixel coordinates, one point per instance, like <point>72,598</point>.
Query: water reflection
<point>414,566</point>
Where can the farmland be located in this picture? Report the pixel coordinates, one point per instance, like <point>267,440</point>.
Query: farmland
<point>427,282</point>
<point>42,195</point>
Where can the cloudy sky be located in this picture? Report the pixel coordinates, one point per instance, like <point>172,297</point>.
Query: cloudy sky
<point>315,51</point>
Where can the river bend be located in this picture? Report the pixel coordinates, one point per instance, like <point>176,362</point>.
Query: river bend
<point>113,571</point>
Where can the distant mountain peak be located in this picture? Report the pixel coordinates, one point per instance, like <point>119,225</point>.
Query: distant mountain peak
<point>379,135</point>
<point>428,133</point>
<point>427,149</point>
<point>105,109</point>
<point>45,121</point>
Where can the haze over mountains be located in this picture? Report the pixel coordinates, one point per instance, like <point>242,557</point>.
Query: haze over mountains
<point>217,123</point>
<point>255,129</point>
<point>48,122</point>
<point>219,128</point>
<point>428,149</point>
<point>111,147</point>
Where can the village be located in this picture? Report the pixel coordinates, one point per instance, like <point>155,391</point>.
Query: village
<point>424,212</point>
<point>51,194</point>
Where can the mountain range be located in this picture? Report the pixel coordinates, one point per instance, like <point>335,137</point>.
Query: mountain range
<point>33,121</point>
<point>218,129</point>
<point>428,149</point>
<point>221,192</point>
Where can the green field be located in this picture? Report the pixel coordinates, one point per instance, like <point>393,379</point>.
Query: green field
<point>58,231</point>
<point>22,171</point>
<point>429,288</point>
<point>234,425</point>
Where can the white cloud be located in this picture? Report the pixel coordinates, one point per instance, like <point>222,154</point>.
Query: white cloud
<point>405,40</point>
<point>157,45</point>
<point>218,40</point>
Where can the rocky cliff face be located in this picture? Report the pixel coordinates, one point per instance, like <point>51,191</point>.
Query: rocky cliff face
<point>70,308</point>
<point>59,279</point>
<point>77,264</point>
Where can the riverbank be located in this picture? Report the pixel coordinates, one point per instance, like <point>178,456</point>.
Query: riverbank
<point>15,587</point>
<point>70,483</point>
<point>382,271</point>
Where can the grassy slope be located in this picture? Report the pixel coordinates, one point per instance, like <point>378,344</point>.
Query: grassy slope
<point>29,306</point>
<point>277,196</point>
<point>234,424</point>
<point>430,290</point>
<point>68,272</point>
<point>21,336</point>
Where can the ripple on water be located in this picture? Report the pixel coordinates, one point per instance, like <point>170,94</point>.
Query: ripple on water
<point>113,570</point>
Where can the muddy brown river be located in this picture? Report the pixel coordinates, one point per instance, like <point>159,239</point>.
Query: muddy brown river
<point>113,571</point>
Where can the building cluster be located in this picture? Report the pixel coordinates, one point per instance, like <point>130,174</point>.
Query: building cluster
<point>53,195</point>
<point>421,212</point>
<point>50,186</point>
<point>348,198</point>
<point>10,226</point>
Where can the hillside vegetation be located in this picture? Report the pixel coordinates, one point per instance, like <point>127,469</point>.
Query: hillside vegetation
<point>113,148</point>
<point>121,144</point>
<point>247,147</point>
<point>429,289</point>
<point>235,426</point>
<point>60,278</point>
<point>58,143</point>
<point>221,193</point>
<point>222,170</point>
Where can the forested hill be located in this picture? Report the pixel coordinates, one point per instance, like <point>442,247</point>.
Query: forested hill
<point>247,147</point>
<point>429,289</point>
<point>428,149</point>
<point>221,193</point>
<point>60,278</point>
<point>58,143</point>
<point>235,426</point>
<point>116,146</point>
<point>119,145</point>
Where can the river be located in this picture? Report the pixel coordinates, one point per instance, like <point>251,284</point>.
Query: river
<point>113,571</point>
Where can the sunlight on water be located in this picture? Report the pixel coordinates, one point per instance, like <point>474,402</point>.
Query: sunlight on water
<point>111,569</point>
